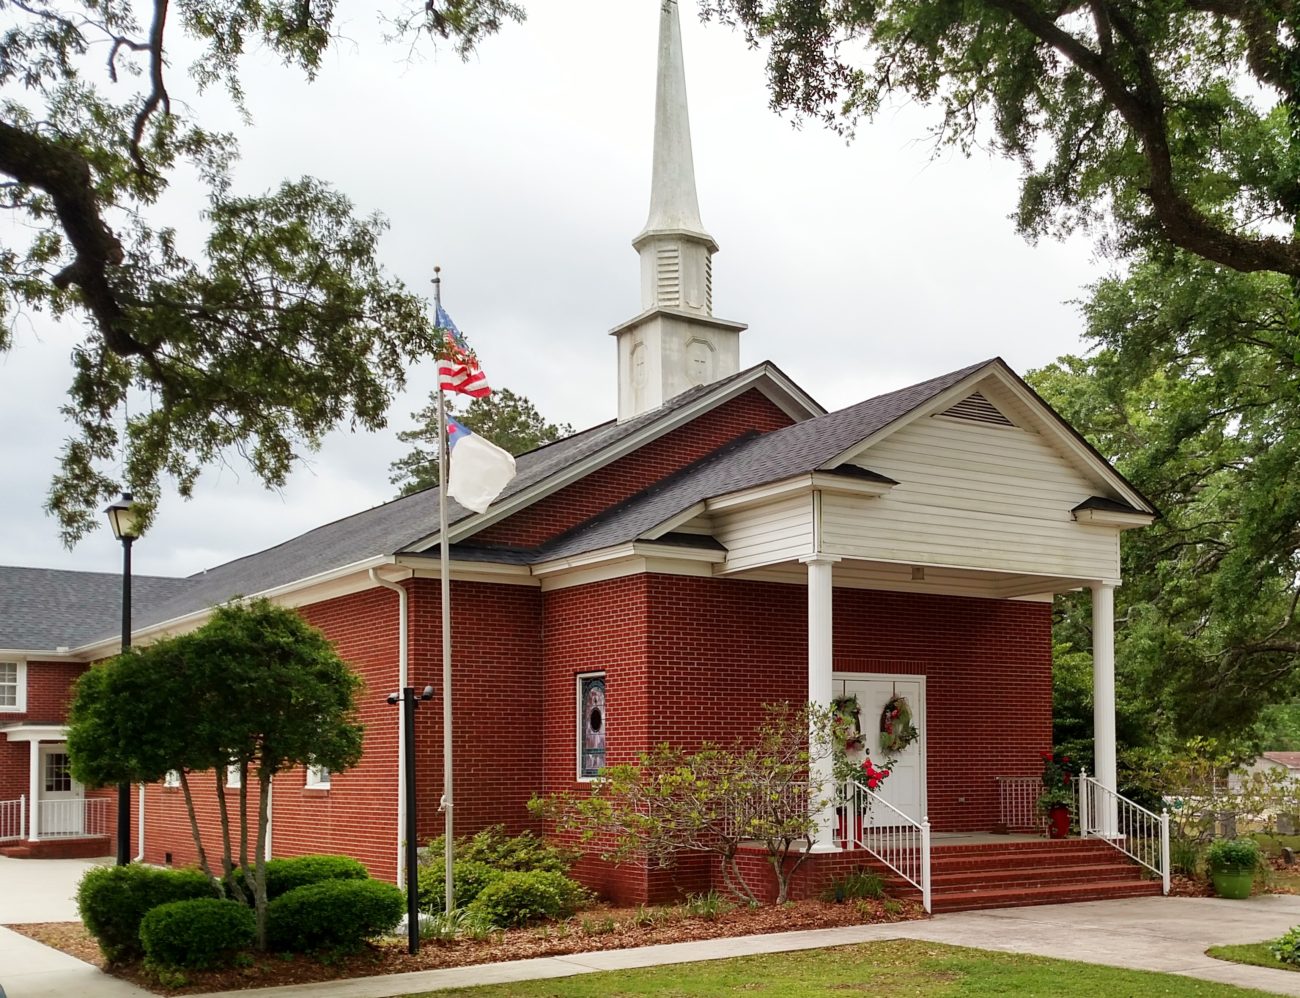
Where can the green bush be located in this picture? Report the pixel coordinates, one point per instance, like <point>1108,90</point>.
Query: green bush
<point>468,878</point>
<point>853,885</point>
<point>202,933</point>
<point>1232,856</point>
<point>494,848</point>
<point>1287,949</point>
<point>518,898</point>
<point>112,901</point>
<point>334,914</point>
<point>290,873</point>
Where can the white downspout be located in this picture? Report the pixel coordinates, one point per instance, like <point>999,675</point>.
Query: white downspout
<point>139,857</point>
<point>401,728</point>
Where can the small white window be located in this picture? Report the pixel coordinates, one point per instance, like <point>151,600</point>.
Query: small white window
<point>173,778</point>
<point>232,775</point>
<point>13,686</point>
<point>318,777</point>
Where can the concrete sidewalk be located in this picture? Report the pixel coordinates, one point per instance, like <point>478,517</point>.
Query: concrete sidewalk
<point>1150,933</point>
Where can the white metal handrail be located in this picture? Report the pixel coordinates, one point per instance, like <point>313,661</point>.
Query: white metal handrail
<point>872,823</point>
<point>74,818</point>
<point>13,818</point>
<point>1140,834</point>
<point>1018,803</point>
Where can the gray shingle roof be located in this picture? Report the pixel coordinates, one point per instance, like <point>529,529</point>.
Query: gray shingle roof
<point>769,457</point>
<point>393,526</point>
<point>43,609</point>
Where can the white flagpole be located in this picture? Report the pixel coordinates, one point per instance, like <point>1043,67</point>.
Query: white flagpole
<point>445,572</point>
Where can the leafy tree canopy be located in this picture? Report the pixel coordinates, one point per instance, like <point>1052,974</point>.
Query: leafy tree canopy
<point>280,325</point>
<point>1174,120</point>
<point>1191,392</point>
<point>255,687</point>
<point>510,421</point>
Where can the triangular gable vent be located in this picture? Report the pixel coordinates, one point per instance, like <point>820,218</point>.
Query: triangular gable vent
<point>977,409</point>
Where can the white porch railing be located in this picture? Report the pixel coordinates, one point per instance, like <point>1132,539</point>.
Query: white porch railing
<point>1018,803</point>
<point>1140,834</point>
<point>870,822</point>
<point>75,818</point>
<point>13,818</point>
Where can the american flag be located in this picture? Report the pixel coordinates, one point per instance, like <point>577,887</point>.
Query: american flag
<point>459,370</point>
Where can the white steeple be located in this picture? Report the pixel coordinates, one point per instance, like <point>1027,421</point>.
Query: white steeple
<point>675,343</point>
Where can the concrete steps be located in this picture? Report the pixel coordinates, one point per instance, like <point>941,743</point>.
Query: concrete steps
<point>1019,873</point>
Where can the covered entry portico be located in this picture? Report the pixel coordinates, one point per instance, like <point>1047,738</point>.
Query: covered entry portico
<point>55,806</point>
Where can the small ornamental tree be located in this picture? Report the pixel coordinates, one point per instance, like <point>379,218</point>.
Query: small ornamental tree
<point>710,801</point>
<point>256,687</point>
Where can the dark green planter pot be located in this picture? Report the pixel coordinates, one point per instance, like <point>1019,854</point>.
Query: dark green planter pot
<point>1234,884</point>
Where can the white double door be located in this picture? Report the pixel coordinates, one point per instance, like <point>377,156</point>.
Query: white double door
<point>905,786</point>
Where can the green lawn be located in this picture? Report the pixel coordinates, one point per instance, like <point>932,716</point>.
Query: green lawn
<point>1256,954</point>
<point>896,967</point>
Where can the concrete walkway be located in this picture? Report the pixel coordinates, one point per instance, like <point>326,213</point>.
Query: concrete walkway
<point>1150,933</point>
<point>1163,934</point>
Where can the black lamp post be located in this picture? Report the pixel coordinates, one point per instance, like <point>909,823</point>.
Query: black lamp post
<point>408,698</point>
<point>124,519</point>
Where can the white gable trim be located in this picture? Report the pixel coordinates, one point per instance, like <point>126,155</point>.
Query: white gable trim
<point>798,485</point>
<point>1080,454</point>
<point>1113,518</point>
<point>779,390</point>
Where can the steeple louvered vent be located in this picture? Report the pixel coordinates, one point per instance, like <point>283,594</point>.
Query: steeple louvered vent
<point>977,409</point>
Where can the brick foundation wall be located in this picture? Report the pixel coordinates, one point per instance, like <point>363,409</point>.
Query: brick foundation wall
<point>627,476</point>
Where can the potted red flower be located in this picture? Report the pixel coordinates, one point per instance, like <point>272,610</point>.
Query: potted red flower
<point>1057,795</point>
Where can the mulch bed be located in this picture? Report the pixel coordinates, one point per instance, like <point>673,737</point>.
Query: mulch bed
<point>595,929</point>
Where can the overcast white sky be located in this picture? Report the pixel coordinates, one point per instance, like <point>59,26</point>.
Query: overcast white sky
<point>525,174</point>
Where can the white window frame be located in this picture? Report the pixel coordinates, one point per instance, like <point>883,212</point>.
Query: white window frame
<point>232,776</point>
<point>577,718</point>
<point>20,698</point>
<point>318,778</point>
<point>172,778</point>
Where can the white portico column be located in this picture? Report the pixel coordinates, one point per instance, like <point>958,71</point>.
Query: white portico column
<point>34,790</point>
<point>1103,701</point>
<point>820,692</point>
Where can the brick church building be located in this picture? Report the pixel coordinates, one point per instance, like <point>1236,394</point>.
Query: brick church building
<point>723,543</point>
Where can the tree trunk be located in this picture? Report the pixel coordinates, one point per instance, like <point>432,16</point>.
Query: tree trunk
<point>194,825</point>
<point>227,864</point>
<point>259,861</point>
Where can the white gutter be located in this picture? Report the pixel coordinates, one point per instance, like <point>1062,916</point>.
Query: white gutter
<point>401,724</point>
<point>139,857</point>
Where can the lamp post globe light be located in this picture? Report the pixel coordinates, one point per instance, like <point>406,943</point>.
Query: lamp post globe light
<point>124,518</point>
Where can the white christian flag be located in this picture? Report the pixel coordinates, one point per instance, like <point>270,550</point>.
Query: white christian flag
<point>479,469</point>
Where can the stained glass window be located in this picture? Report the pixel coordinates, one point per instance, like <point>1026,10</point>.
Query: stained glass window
<point>592,724</point>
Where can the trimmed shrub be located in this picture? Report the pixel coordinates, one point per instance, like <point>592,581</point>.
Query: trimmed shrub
<point>112,901</point>
<point>469,879</point>
<point>202,933</point>
<point>292,872</point>
<point>520,898</point>
<point>334,914</point>
<point>494,848</point>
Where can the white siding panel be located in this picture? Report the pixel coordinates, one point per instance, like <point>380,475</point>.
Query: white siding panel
<point>973,496</point>
<point>763,535</point>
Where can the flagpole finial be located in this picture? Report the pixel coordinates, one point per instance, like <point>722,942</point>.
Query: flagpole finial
<point>437,284</point>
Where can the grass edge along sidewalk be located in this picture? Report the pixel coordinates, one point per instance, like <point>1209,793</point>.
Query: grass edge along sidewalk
<point>895,966</point>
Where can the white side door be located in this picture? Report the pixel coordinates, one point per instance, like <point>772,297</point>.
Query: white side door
<point>905,786</point>
<point>62,806</point>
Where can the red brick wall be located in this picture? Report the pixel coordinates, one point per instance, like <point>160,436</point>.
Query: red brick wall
<point>358,814</point>
<point>629,475</point>
<point>496,705</point>
<point>689,659</point>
